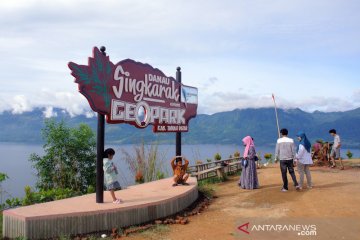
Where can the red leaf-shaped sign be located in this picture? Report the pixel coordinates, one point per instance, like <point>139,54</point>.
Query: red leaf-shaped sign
<point>135,93</point>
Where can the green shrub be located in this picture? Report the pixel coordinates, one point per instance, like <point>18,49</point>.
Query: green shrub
<point>3,177</point>
<point>207,190</point>
<point>207,186</point>
<point>268,157</point>
<point>349,154</point>
<point>32,197</point>
<point>91,189</point>
<point>160,175</point>
<point>236,154</point>
<point>212,180</point>
<point>217,156</point>
<point>12,202</point>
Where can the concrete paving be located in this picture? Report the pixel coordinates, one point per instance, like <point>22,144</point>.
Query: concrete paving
<point>141,203</point>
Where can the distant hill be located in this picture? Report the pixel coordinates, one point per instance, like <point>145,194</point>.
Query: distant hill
<point>219,128</point>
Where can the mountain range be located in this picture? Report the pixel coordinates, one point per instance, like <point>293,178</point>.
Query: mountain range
<point>219,128</point>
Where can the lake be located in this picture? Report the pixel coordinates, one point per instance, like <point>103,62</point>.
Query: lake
<point>14,161</point>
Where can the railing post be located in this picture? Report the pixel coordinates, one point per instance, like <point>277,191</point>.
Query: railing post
<point>197,171</point>
<point>220,173</point>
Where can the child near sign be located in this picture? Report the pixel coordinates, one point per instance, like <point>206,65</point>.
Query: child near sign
<point>180,175</point>
<point>110,172</point>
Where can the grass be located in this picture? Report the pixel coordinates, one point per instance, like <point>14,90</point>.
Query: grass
<point>64,237</point>
<point>208,190</point>
<point>208,181</point>
<point>155,232</point>
<point>95,238</point>
<point>208,186</point>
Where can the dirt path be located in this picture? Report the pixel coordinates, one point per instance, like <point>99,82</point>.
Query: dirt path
<point>331,210</point>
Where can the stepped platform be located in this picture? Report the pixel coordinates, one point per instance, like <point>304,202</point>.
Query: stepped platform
<point>80,215</point>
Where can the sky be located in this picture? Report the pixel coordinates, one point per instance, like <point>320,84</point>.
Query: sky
<point>236,52</point>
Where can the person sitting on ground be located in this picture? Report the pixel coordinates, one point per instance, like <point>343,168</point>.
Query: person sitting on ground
<point>180,175</point>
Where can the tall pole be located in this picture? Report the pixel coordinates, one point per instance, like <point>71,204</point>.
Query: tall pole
<point>100,152</point>
<point>178,134</point>
<point>277,119</point>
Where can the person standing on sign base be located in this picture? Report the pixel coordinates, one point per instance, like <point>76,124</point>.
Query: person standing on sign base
<point>110,172</point>
<point>180,175</point>
<point>285,152</point>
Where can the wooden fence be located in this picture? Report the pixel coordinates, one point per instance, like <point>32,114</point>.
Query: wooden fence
<point>215,168</point>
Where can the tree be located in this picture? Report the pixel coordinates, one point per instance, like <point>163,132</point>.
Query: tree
<point>3,177</point>
<point>69,160</point>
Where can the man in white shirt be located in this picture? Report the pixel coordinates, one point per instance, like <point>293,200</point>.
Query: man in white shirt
<point>285,152</point>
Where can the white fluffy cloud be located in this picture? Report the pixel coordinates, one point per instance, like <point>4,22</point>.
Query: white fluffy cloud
<point>356,95</point>
<point>49,112</point>
<point>236,52</point>
<point>20,104</point>
<point>228,101</point>
<point>72,103</point>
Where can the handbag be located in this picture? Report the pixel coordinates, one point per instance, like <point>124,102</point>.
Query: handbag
<point>244,162</point>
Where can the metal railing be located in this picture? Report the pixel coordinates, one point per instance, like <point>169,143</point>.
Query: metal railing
<point>215,168</point>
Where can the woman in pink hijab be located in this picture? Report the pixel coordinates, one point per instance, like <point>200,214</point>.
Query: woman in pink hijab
<point>249,179</point>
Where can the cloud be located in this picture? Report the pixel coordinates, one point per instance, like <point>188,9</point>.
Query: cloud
<point>326,104</point>
<point>73,103</point>
<point>294,48</point>
<point>49,112</point>
<point>20,104</point>
<point>227,101</point>
<point>210,82</point>
<point>356,95</point>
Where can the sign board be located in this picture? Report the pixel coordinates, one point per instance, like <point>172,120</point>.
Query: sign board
<point>135,93</point>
